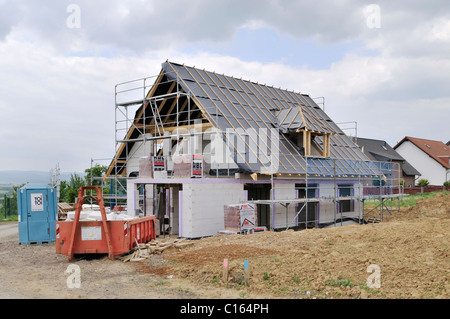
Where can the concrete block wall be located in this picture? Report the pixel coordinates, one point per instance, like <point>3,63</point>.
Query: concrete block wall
<point>202,207</point>
<point>358,207</point>
<point>284,191</point>
<point>174,209</point>
<point>132,200</point>
<point>139,150</point>
<point>149,199</point>
<point>327,206</point>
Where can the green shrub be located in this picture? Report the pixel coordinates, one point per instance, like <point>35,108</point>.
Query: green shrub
<point>423,182</point>
<point>447,184</point>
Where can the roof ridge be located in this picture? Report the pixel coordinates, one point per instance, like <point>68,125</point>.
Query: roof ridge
<point>232,76</point>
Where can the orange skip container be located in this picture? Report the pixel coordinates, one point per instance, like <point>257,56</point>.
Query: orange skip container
<point>90,236</point>
<point>114,237</point>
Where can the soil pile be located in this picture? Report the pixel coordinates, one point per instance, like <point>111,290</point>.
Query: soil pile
<point>409,251</point>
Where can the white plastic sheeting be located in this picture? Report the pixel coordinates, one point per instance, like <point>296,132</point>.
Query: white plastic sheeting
<point>95,215</point>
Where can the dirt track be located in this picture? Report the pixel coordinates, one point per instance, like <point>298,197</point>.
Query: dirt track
<point>411,250</point>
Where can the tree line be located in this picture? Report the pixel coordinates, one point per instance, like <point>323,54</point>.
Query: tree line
<point>68,190</point>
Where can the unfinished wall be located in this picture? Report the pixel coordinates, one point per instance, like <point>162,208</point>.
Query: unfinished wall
<point>149,199</point>
<point>284,191</point>
<point>328,209</point>
<point>139,149</point>
<point>202,207</point>
<point>174,208</point>
<point>132,200</point>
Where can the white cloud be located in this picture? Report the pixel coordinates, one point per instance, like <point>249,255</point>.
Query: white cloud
<point>389,97</point>
<point>59,109</point>
<point>439,31</point>
<point>57,101</point>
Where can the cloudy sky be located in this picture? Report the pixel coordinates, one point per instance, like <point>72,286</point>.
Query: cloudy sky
<point>384,65</point>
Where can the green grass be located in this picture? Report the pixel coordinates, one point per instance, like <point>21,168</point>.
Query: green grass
<point>340,282</point>
<point>410,201</point>
<point>407,201</point>
<point>9,218</point>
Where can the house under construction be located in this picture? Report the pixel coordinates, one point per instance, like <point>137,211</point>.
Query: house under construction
<point>190,142</point>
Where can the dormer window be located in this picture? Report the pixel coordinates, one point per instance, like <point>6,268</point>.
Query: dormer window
<point>313,144</point>
<point>316,143</point>
<point>313,140</point>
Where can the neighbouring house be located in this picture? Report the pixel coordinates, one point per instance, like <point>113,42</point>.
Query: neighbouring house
<point>192,142</point>
<point>431,158</point>
<point>378,150</point>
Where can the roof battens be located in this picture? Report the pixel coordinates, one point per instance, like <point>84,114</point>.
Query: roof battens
<point>251,110</point>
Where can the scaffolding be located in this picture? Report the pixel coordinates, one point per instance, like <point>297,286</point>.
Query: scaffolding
<point>358,199</point>
<point>315,201</point>
<point>141,130</point>
<point>113,188</point>
<point>154,116</point>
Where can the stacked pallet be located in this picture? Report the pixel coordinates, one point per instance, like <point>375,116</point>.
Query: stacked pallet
<point>182,166</point>
<point>152,167</point>
<point>240,217</point>
<point>146,167</point>
<point>63,209</point>
<point>187,166</point>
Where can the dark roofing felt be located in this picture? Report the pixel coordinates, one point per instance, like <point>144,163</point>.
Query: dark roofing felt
<point>230,103</point>
<point>233,103</point>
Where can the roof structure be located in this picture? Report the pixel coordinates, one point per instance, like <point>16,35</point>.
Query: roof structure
<point>437,150</point>
<point>228,103</point>
<point>408,169</point>
<point>379,150</point>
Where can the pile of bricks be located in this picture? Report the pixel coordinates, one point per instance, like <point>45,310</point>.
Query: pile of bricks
<point>240,217</point>
<point>146,167</point>
<point>182,165</point>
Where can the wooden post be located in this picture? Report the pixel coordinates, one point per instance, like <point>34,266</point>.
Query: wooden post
<point>307,141</point>
<point>328,144</point>
<point>225,270</point>
<point>246,272</point>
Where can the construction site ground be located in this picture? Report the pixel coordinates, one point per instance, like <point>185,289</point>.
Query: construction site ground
<point>410,249</point>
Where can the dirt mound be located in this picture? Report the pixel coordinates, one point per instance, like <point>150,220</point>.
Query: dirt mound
<point>218,254</point>
<point>437,206</point>
<point>410,248</point>
<point>411,251</point>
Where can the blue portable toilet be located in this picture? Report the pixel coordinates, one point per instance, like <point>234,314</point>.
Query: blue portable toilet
<point>37,210</point>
